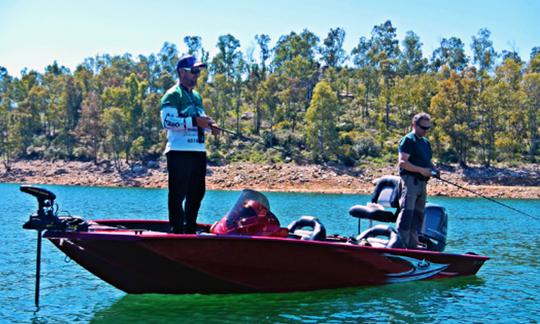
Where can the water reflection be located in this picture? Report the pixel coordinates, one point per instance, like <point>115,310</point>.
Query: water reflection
<point>418,301</point>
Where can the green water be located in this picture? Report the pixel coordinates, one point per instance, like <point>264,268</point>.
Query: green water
<point>505,290</point>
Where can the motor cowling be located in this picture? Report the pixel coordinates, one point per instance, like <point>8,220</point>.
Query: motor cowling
<point>434,228</point>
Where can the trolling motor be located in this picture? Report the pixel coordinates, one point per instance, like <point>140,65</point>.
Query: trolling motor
<point>45,218</point>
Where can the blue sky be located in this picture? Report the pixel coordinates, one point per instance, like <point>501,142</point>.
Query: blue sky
<point>35,33</point>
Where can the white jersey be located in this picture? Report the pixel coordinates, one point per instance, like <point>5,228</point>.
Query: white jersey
<point>182,133</point>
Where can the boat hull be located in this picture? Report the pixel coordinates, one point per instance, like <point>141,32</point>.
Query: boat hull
<point>137,261</point>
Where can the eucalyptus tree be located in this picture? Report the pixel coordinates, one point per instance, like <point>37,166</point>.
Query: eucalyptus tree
<point>149,69</point>
<point>493,102</point>
<point>484,55</point>
<point>116,138</point>
<point>363,58</point>
<point>257,73</point>
<point>412,94</point>
<point>228,59</point>
<point>263,41</point>
<point>453,107</point>
<point>534,64</point>
<point>331,50</point>
<point>512,55</point>
<point>90,130</point>
<point>297,77</point>
<point>411,60</point>
<point>168,57</point>
<point>194,44</point>
<point>229,62</point>
<point>450,53</point>
<point>290,46</point>
<point>268,92</point>
<point>514,129</point>
<point>5,118</point>
<point>530,86</point>
<point>321,119</point>
<point>534,52</point>
<point>386,52</point>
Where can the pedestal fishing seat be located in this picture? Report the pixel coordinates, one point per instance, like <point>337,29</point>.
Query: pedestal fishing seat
<point>386,195</point>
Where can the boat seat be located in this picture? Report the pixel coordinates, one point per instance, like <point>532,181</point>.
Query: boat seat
<point>315,229</point>
<point>386,194</point>
<point>380,236</point>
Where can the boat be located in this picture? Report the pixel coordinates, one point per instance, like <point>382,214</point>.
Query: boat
<point>249,251</point>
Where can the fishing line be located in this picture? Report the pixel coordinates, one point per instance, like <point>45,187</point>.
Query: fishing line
<point>259,141</point>
<point>436,176</point>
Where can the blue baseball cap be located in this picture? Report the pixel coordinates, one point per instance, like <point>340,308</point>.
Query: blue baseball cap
<point>188,61</point>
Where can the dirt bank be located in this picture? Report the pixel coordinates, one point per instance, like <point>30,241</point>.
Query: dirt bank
<point>493,182</point>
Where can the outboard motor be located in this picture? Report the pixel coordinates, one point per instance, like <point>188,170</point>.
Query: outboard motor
<point>434,229</point>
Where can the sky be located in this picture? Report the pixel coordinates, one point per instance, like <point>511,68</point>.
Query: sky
<point>33,33</point>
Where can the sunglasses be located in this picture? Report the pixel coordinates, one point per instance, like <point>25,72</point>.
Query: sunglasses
<point>194,71</point>
<point>423,127</point>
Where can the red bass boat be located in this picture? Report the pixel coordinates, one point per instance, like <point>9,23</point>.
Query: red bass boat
<point>248,251</point>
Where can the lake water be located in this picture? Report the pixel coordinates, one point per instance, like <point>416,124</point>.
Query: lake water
<point>506,289</point>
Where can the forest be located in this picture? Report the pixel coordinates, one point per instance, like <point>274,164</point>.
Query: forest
<point>306,100</point>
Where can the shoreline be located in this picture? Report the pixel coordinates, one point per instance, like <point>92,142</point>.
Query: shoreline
<point>518,183</point>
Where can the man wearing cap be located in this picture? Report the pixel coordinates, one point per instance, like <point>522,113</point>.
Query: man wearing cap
<point>183,116</point>
<point>415,169</point>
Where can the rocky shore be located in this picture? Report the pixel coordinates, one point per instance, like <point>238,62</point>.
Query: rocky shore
<point>491,182</point>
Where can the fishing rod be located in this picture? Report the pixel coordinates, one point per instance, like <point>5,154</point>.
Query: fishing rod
<point>249,139</point>
<point>436,175</point>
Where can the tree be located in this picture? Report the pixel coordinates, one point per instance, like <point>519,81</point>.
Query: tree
<point>363,58</point>
<point>168,57</point>
<point>534,52</point>
<point>453,109</point>
<point>263,40</point>
<point>229,59</point>
<point>512,55</point>
<point>411,95</point>
<point>484,54</point>
<point>290,46</point>
<point>116,140</point>
<point>268,92</point>
<point>321,117</point>
<point>411,60</point>
<point>332,50</point>
<point>531,88</point>
<point>386,52</point>
<point>451,53</point>
<point>90,130</point>
<point>298,78</point>
<point>195,48</point>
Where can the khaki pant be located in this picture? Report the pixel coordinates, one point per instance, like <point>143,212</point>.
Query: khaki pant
<point>412,204</point>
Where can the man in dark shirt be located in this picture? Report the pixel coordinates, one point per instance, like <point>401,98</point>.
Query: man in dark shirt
<point>415,169</point>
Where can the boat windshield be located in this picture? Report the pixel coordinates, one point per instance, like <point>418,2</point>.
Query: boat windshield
<point>250,215</point>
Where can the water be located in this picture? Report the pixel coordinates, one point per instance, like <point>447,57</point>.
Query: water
<point>505,290</point>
